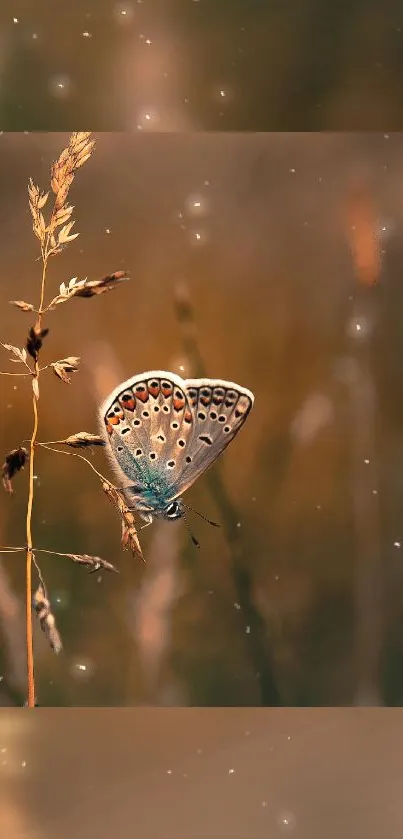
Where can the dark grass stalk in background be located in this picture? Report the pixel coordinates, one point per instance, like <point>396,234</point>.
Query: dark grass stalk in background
<point>256,640</point>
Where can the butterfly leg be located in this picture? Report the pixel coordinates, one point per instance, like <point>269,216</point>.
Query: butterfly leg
<point>147,524</point>
<point>148,519</point>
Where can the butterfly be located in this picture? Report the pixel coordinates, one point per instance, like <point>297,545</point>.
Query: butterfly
<point>162,432</point>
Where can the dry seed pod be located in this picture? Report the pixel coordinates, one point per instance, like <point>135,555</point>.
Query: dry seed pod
<point>47,619</point>
<point>21,355</point>
<point>34,340</point>
<point>14,462</point>
<point>83,440</point>
<point>22,304</point>
<point>94,563</point>
<point>64,366</point>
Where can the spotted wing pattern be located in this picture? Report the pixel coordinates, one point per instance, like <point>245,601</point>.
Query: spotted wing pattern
<point>163,432</point>
<point>220,409</point>
<point>146,422</point>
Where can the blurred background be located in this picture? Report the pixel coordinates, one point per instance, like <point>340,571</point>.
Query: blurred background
<point>273,260</point>
<point>239,65</point>
<point>213,771</point>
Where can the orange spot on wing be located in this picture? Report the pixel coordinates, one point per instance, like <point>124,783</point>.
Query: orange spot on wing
<point>114,420</point>
<point>154,390</point>
<point>108,427</point>
<point>128,404</point>
<point>167,391</point>
<point>205,400</point>
<point>188,416</point>
<point>178,404</point>
<point>142,395</point>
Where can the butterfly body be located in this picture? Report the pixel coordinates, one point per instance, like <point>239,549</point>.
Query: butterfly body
<point>162,432</point>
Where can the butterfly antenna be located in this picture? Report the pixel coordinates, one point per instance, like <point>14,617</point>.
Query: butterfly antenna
<point>193,538</point>
<point>213,523</point>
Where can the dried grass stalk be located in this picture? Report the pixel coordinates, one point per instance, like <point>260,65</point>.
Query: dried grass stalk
<point>130,538</point>
<point>87,288</point>
<point>54,230</point>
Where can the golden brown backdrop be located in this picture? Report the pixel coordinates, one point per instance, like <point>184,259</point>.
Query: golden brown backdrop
<point>289,249</point>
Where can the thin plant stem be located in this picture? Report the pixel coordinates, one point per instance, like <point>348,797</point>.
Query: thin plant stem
<point>29,637</point>
<point>74,454</point>
<point>2,373</point>
<point>7,550</point>
<point>32,444</point>
<point>45,262</point>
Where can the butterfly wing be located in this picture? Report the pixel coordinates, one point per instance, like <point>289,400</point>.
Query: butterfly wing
<point>219,410</point>
<point>146,422</point>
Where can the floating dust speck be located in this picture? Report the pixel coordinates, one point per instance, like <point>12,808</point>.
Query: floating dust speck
<point>197,206</point>
<point>148,119</point>
<point>123,13</point>
<point>60,599</point>
<point>60,86</point>
<point>198,238</point>
<point>82,669</point>
<point>286,821</point>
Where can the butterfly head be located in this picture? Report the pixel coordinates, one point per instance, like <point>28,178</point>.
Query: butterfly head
<point>151,501</point>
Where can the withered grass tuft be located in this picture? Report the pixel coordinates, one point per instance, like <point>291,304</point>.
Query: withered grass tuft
<point>53,225</point>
